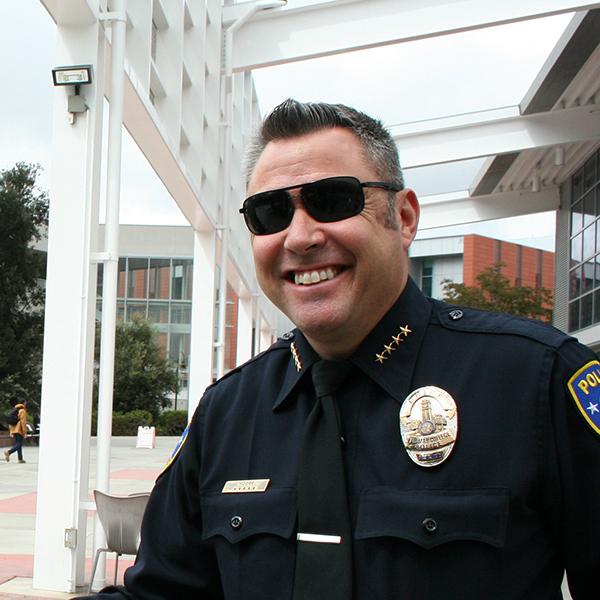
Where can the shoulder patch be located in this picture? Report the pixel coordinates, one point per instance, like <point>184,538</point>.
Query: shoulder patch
<point>177,450</point>
<point>584,387</point>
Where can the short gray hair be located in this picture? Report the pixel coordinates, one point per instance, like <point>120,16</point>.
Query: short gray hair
<point>293,118</point>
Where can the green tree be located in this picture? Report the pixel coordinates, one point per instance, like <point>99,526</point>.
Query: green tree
<point>144,378</point>
<point>23,221</point>
<point>496,293</point>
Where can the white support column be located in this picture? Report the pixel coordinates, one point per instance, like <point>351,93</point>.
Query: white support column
<point>244,330</point>
<point>203,316</point>
<point>111,272</point>
<point>69,321</point>
<point>266,333</point>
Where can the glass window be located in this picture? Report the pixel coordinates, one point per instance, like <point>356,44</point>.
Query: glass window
<point>576,248</point>
<point>181,313</point>
<point>575,283</point>
<point>158,278</point>
<point>120,311</point>
<point>135,309</point>
<point>179,347</point>
<point>137,278</point>
<point>158,312</point>
<point>99,280</point>
<point>121,284</point>
<point>576,217</point>
<point>577,186</point>
<point>586,311</point>
<point>589,242</point>
<point>427,277</point>
<point>589,273</point>
<point>596,306</point>
<point>574,315</point>
<point>589,208</point>
<point>589,173</point>
<point>181,279</point>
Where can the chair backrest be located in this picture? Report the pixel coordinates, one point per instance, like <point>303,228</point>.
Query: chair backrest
<point>121,518</point>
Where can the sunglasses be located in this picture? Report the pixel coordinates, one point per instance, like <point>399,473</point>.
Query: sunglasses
<point>326,200</point>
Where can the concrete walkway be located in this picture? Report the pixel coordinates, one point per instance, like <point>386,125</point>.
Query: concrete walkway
<point>132,470</point>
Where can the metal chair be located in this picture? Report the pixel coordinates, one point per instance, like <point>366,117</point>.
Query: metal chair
<point>121,518</point>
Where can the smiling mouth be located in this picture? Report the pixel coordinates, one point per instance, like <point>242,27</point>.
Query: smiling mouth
<point>312,277</point>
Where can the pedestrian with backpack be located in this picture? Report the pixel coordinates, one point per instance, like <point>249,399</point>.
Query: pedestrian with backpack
<point>17,427</point>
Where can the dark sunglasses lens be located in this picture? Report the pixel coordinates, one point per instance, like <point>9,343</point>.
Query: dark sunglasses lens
<point>333,199</point>
<point>269,212</point>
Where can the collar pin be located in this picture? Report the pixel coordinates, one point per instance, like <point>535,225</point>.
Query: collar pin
<point>295,356</point>
<point>394,343</point>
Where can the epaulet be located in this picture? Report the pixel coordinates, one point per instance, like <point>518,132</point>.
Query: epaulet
<point>461,318</point>
<point>282,343</point>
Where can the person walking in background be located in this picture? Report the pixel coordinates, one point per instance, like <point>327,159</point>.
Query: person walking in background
<point>18,431</point>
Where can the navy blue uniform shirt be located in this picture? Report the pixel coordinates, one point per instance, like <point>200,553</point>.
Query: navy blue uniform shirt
<point>516,503</point>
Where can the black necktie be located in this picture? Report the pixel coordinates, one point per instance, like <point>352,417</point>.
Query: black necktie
<point>324,552</point>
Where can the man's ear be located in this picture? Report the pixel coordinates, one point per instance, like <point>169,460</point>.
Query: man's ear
<point>409,211</point>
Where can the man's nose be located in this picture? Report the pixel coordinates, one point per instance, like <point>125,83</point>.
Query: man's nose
<point>304,233</point>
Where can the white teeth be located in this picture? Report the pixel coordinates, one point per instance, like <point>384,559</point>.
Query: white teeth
<point>310,277</point>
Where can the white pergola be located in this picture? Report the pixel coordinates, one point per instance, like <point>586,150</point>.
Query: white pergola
<point>178,75</point>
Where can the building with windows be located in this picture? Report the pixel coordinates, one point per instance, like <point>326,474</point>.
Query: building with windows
<point>155,283</point>
<point>461,258</point>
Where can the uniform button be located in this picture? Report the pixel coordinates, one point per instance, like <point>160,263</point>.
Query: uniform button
<point>289,335</point>
<point>429,525</point>
<point>236,522</point>
<point>455,315</point>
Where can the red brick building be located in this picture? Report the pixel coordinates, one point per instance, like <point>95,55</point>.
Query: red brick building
<point>462,258</point>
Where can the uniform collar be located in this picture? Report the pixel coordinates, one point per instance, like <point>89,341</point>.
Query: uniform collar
<point>387,355</point>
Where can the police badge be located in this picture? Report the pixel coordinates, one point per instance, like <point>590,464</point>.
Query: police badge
<point>429,425</point>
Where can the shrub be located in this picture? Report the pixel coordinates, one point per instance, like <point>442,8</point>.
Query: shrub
<point>128,423</point>
<point>172,422</point>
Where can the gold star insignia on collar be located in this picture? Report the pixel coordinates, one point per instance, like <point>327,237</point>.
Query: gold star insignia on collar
<point>396,341</point>
<point>295,356</point>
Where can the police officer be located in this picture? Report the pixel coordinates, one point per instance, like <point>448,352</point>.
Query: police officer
<point>466,453</point>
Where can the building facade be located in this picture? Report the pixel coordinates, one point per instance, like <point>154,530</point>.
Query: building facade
<point>461,258</point>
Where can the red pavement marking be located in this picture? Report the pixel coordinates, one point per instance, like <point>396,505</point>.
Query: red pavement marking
<point>141,474</point>
<point>21,565</point>
<point>23,504</point>
<point>15,565</point>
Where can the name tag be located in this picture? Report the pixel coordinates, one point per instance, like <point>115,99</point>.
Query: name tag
<point>244,486</point>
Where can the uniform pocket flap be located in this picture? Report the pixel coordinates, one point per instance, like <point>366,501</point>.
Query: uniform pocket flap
<point>238,516</point>
<point>433,517</point>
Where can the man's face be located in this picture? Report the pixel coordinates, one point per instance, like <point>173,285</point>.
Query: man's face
<point>333,280</point>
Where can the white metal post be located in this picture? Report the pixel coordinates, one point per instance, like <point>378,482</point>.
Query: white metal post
<point>111,267</point>
<point>203,295</point>
<point>244,330</point>
<point>60,529</point>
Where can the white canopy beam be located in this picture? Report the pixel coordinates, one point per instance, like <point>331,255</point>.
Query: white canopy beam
<point>458,208</point>
<point>299,33</point>
<point>510,134</point>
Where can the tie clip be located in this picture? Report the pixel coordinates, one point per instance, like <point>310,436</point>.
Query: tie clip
<point>318,538</point>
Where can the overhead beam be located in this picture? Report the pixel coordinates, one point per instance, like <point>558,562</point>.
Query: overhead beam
<point>512,134</point>
<point>575,46</point>
<point>290,34</point>
<point>458,208</point>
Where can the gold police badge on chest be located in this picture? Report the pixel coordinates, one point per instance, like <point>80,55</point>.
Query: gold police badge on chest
<point>428,425</point>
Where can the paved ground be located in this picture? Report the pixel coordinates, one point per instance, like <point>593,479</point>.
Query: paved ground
<point>132,470</point>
